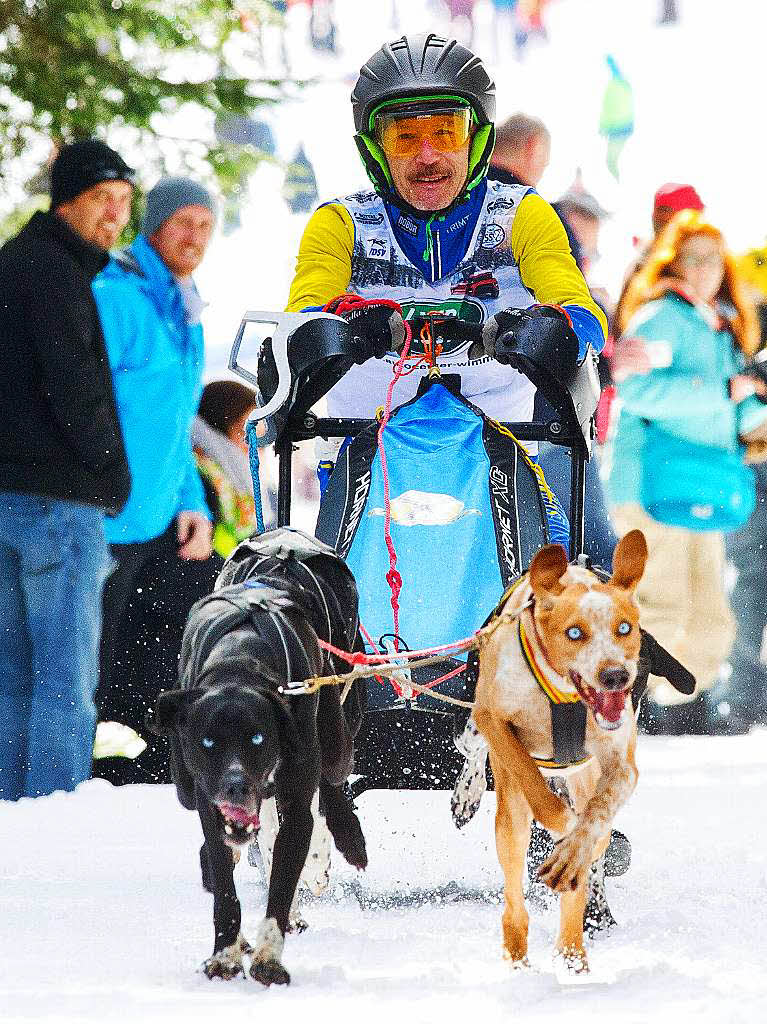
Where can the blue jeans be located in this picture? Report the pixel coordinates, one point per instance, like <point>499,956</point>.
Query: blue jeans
<point>746,688</point>
<point>54,560</point>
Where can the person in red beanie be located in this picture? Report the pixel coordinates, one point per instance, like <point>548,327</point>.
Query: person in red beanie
<point>630,356</point>
<point>669,200</point>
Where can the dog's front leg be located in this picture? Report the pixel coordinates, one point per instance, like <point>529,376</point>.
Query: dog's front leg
<point>229,944</point>
<point>344,825</point>
<point>290,849</point>
<point>568,865</point>
<point>566,870</point>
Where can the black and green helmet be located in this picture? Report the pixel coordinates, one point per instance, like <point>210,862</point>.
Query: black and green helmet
<point>423,68</point>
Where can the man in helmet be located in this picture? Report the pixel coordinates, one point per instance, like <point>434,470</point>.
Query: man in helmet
<point>423,110</point>
<point>435,234</point>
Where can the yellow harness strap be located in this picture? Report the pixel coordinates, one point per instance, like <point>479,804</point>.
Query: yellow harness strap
<point>567,722</point>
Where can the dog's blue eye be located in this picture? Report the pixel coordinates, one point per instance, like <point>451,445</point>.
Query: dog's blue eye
<point>575,632</point>
<point>256,738</point>
<point>624,628</point>
<point>207,742</point>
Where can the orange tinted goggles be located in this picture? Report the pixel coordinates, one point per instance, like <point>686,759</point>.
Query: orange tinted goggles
<point>405,134</point>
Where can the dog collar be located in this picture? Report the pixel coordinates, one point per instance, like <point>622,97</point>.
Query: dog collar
<point>557,688</point>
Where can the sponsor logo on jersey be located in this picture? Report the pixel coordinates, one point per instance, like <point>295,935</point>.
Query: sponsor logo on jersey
<point>378,248</point>
<point>500,204</point>
<point>369,218</point>
<point>459,224</point>
<point>492,236</point>
<point>408,225</point>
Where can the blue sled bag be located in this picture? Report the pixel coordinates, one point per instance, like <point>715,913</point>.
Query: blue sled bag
<point>695,486</point>
<point>467,517</point>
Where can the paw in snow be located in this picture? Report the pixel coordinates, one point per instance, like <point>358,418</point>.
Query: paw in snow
<point>571,963</point>
<point>269,972</point>
<point>567,866</point>
<point>267,950</point>
<point>227,963</point>
<point>296,923</point>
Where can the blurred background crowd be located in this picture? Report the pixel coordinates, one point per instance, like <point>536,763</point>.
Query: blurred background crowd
<point>681,275</point>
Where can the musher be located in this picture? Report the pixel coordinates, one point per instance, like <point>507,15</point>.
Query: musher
<point>435,235</point>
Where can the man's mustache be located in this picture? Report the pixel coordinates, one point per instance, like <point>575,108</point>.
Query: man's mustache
<point>430,169</point>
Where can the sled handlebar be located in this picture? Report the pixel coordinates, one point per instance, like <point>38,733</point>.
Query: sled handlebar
<point>446,328</point>
<point>294,359</point>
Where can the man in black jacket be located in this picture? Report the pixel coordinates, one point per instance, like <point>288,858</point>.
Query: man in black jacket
<point>62,465</point>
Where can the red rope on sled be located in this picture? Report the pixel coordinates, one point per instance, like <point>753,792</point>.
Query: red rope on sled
<point>393,577</point>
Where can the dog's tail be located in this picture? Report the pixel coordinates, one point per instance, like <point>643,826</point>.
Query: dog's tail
<point>510,757</point>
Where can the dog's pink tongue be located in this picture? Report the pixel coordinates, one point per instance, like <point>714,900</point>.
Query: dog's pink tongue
<point>610,704</point>
<point>238,814</point>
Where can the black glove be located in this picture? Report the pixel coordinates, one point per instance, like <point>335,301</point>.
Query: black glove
<point>377,325</point>
<point>530,332</point>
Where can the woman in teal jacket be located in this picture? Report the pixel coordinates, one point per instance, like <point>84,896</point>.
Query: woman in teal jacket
<point>687,308</point>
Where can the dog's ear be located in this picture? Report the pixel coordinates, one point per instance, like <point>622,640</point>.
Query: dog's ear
<point>662,663</point>
<point>629,560</point>
<point>290,740</point>
<point>546,571</point>
<point>169,710</point>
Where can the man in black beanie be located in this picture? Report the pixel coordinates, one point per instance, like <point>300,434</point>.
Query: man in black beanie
<point>62,466</point>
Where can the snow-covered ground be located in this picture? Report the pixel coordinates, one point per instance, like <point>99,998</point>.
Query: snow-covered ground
<point>103,916</point>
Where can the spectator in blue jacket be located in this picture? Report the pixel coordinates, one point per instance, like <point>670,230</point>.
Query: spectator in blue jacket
<point>162,540</point>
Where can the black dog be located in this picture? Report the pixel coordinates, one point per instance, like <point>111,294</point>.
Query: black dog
<point>237,740</point>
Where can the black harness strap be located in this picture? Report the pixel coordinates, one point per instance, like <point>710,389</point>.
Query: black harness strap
<point>568,733</point>
<point>568,716</point>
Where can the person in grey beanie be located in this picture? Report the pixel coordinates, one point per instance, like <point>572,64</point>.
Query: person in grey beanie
<point>162,540</point>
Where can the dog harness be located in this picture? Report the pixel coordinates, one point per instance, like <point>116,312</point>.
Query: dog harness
<point>287,592</point>
<point>284,644</point>
<point>568,712</point>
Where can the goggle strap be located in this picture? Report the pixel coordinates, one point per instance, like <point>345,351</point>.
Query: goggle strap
<point>482,146</point>
<point>372,153</point>
<point>457,101</point>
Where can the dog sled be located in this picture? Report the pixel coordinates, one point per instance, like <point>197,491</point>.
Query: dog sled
<point>436,515</point>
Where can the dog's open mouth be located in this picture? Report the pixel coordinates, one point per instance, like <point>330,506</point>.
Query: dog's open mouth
<point>607,706</point>
<point>240,824</point>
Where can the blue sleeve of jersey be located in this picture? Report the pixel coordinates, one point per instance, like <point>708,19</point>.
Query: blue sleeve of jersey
<point>587,328</point>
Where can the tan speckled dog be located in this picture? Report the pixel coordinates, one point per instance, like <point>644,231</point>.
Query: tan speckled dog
<point>563,638</point>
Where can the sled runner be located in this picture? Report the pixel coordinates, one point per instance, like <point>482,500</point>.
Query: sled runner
<point>453,494</point>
